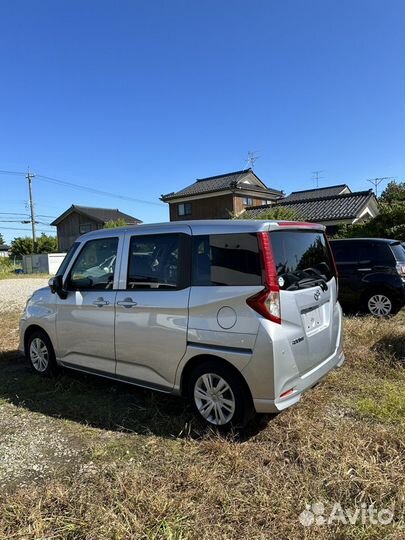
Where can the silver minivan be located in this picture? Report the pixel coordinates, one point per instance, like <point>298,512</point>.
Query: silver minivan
<point>239,316</point>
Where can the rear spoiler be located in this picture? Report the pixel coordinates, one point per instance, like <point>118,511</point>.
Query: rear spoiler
<point>277,225</point>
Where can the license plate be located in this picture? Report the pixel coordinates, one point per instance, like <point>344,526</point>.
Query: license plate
<point>312,320</point>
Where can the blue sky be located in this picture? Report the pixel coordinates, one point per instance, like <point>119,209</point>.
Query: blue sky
<point>140,98</point>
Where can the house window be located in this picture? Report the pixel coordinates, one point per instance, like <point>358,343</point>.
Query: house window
<point>85,228</point>
<point>184,209</point>
<point>247,201</point>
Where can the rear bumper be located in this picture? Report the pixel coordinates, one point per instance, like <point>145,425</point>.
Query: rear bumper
<point>302,383</point>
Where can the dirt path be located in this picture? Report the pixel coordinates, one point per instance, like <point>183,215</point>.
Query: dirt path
<point>15,292</point>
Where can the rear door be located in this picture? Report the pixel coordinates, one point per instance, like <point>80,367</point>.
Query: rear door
<point>352,266</point>
<point>226,271</point>
<point>152,307</point>
<point>309,309</point>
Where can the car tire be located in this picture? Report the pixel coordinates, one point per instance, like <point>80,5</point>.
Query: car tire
<point>40,354</point>
<point>380,303</point>
<point>219,396</point>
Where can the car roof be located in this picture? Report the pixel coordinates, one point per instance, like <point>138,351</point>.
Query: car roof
<point>204,226</point>
<point>383,240</point>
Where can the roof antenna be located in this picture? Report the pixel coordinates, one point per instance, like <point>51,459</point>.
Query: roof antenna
<point>377,181</point>
<point>316,177</point>
<point>251,159</point>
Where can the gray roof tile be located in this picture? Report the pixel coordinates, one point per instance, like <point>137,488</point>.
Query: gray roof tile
<point>346,206</point>
<point>328,191</point>
<point>220,183</point>
<point>102,215</point>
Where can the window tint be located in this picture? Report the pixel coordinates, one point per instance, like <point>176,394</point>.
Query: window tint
<point>226,259</point>
<point>345,252</point>
<point>300,255</point>
<point>95,265</point>
<point>361,252</point>
<point>399,251</point>
<point>154,262</point>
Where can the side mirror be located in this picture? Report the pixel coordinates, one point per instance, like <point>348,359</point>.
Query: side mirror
<point>56,286</point>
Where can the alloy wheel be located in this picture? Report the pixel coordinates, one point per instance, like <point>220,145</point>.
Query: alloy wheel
<point>379,305</point>
<point>39,354</point>
<point>214,399</point>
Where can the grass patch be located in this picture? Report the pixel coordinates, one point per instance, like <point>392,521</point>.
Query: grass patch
<point>150,472</point>
<point>386,403</point>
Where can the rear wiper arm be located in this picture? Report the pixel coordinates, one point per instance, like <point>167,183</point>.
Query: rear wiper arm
<point>308,282</point>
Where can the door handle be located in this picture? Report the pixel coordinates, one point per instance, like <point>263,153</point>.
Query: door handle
<point>364,269</point>
<point>100,302</point>
<point>127,303</point>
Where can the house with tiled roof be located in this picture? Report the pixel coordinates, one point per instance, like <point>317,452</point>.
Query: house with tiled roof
<point>78,220</point>
<point>332,206</point>
<point>220,196</point>
<point>328,191</point>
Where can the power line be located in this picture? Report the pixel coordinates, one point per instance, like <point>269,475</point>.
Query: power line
<point>13,214</point>
<point>94,190</point>
<point>72,185</point>
<point>16,221</point>
<point>18,173</point>
<point>25,230</point>
<point>22,214</point>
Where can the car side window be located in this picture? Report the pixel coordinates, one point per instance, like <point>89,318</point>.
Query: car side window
<point>226,259</point>
<point>95,266</point>
<point>345,252</point>
<point>153,262</point>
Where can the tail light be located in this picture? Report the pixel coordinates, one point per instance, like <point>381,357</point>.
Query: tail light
<point>401,269</point>
<point>267,301</point>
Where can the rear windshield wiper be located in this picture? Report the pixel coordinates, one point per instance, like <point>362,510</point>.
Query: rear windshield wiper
<point>306,283</point>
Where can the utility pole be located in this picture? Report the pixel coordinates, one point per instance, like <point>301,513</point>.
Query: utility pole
<point>29,176</point>
<point>377,181</point>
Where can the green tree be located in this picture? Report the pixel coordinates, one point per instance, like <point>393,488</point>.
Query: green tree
<point>2,241</point>
<point>112,224</point>
<point>394,193</point>
<point>277,212</point>
<point>390,222</point>
<point>47,244</point>
<point>20,246</point>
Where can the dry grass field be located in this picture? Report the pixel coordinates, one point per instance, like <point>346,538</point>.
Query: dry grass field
<point>84,458</point>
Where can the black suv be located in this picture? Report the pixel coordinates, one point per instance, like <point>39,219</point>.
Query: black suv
<point>371,275</point>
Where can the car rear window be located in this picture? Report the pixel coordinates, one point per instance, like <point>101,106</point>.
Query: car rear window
<point>399,251</point>
<point>301,258</point>
<point>226,259</point>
